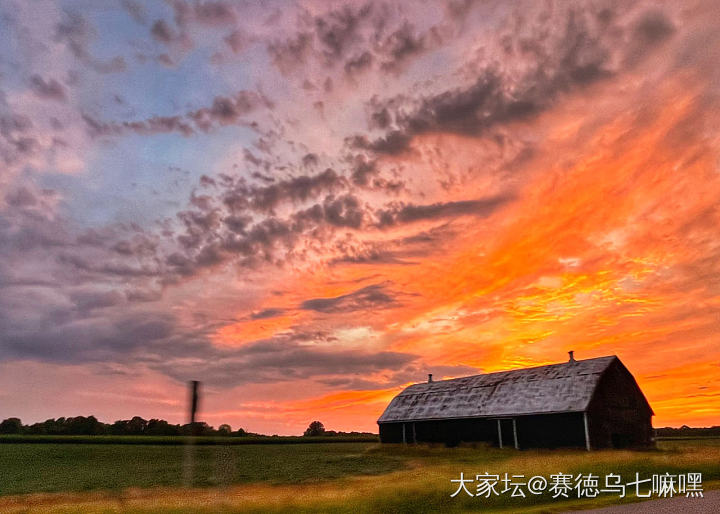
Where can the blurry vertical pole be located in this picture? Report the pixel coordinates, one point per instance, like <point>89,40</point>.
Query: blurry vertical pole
<point>189,453</point>
<point>194,384</point>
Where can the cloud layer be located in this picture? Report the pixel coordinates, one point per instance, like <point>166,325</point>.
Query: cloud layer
<point>315,204</point>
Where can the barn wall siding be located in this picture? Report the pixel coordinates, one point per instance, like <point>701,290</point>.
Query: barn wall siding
<point>619,415</point>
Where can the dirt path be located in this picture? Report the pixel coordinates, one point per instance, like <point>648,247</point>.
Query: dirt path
<point>710,504</point>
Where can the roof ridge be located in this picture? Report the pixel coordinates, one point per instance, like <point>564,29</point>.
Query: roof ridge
<point>574,363</point>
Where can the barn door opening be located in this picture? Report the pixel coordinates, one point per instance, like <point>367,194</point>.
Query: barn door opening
<point>507,433</point>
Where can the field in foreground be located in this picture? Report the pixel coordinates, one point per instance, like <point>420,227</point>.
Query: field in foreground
<point>339,477</point>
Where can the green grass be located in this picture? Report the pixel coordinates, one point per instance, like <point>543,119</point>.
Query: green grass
<point>30,468</point>
<point>338,477</point>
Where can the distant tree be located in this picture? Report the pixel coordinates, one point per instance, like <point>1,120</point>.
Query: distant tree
<point>137,425</point>
<point>120,427</point>
<point>240,432</point>
<point>11,426</point>
<point>316,428</point>
<point>134,426</point>
<point>57,426</point>
<point>199,428</point>
<point>161,427</point>
<point>82,425</point>
<point>224,429</point>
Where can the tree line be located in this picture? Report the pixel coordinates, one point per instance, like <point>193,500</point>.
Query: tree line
<point>686,431</point>
<point>90,425</point>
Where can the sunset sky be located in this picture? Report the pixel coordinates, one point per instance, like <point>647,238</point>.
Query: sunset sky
<point>309,206</point>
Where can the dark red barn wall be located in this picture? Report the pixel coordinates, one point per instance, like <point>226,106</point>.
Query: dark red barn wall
<point>619,416</point>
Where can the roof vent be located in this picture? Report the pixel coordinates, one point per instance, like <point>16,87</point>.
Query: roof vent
<point>572,356</point>
<point>429,378</point>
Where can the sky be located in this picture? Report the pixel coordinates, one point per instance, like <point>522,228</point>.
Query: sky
<point>310,205</point>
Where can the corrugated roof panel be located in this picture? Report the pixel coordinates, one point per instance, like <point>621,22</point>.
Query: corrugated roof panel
<point>562,387</point>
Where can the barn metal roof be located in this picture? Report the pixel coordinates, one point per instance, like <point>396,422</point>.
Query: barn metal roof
<point>566,387</point>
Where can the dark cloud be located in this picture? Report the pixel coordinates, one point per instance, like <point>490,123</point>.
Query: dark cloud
<point>310,159</point>
<point>224,110</point>
<point>361,169</point>
<point>343,211</point>
<point>413,372</point>
<point>459,9</point>
<point>238,224</point>
<point>20,198</point>
<point>400,46</point>
<point>359,63</point>
<point>580,55</point>
<point>267,313</point>
<point>394,142</point>
<point>154,125</point>
<point>109,338</point>
<point>162,32</point>
<point>368,254</point>
<point>653,26</point>
<point>16,138</point>
<point>110,268</point>
<point>88,300</point>
<point>295,189</point>
<point>353,36</point>
<point>209,13</point>
<point>136,10</point>
<point>214,13</point>
<point>237,41</point>
<point>650,29</point>
<point>370,297</point>
<point>143,294</point>
<point>50,89</point>
<point>77,33</point>
<point>262,363</point>
<point>200,14</point>
<point>408,213</point>
<point>337,30</point>
<point>290,53</point>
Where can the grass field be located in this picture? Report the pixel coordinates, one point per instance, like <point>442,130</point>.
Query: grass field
<point>337,477</point>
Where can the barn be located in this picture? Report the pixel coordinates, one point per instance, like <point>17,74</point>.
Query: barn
<point>591,403</point>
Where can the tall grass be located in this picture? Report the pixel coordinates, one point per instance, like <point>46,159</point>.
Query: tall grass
<point>381,478</point>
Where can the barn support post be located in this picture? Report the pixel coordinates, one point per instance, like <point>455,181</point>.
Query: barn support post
<point>404,437</point>
<point>499,433</point>
<point>517,446</point>
<point>587,432</point>
<point>414,434</point>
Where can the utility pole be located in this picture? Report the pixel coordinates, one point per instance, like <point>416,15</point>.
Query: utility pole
<point>189,452</point>
<point>194,390</point>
